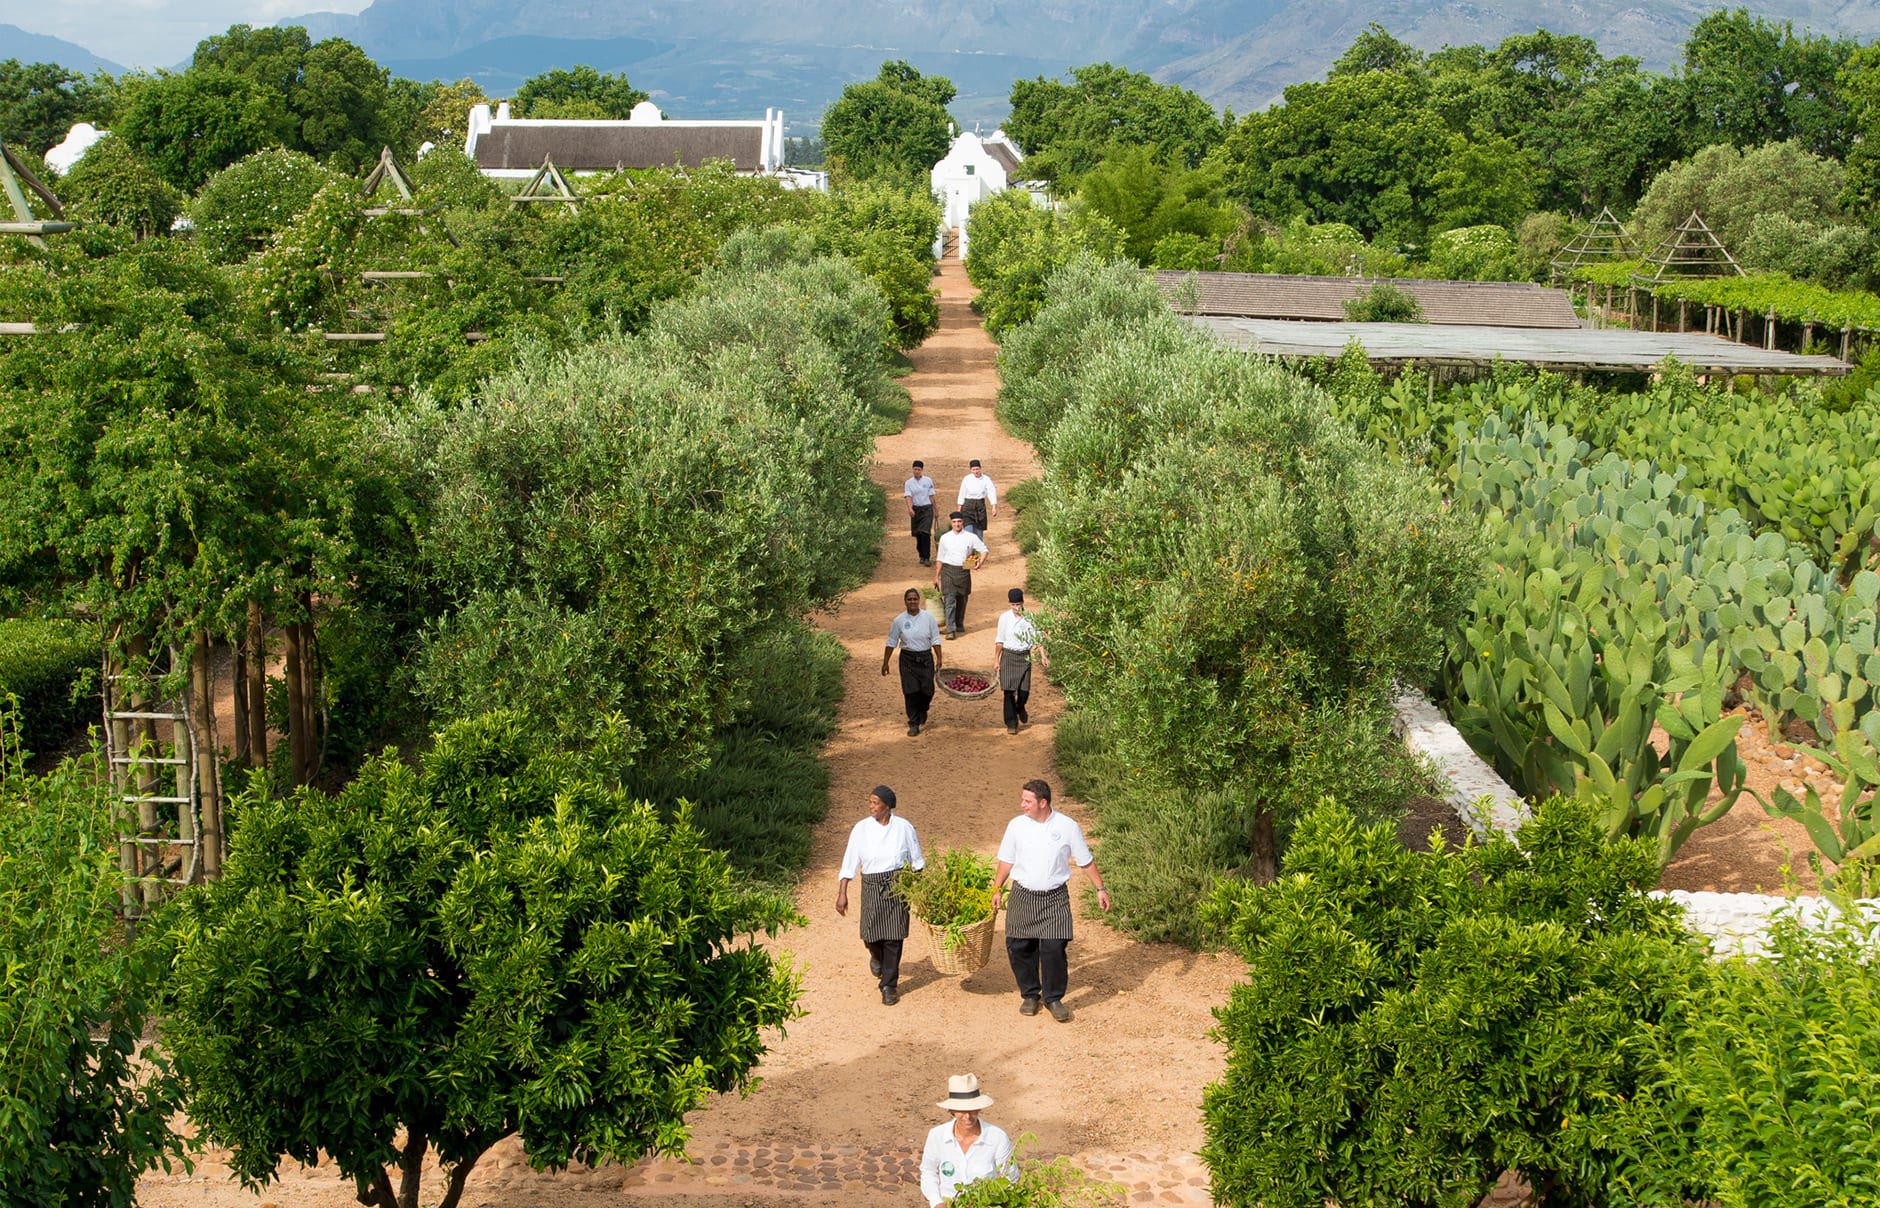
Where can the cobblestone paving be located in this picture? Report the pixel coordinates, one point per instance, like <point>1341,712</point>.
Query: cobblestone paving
<point>1146,1178</point>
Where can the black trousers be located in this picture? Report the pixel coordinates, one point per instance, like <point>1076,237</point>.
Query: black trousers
<point>1015,705</point>
<point>975,511</point>
<point>1040,967</point>
<point>917,676</point>
<point>921,525</point>
<point>888,952</point>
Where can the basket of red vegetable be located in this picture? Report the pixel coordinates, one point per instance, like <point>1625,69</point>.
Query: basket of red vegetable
<point>966,685</point>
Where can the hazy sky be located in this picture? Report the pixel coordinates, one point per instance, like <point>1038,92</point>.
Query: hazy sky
<point>152,33</point>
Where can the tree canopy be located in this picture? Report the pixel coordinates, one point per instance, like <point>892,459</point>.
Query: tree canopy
<point>493,943</point>
<point>577,92</point>
<point>892,126</point>
<point>1067,129</point>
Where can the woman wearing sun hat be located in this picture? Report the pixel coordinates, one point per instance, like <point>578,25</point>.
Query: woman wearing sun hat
<point>965,1150</point>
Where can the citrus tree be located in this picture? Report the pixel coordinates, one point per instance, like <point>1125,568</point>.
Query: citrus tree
<point>492,943</point>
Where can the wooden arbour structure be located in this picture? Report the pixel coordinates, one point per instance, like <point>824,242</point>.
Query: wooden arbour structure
<point>1604,240</point>
<point>1692,252</point>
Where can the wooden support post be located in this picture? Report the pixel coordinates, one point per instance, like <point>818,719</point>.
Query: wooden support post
<point>1847,333</point>
<point>1654,310</point>
<point>1683,306</point>
<point>1769,331</point>
<point>257,694</point>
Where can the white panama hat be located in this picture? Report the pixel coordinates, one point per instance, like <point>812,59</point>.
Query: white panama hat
<point>964,1095</point>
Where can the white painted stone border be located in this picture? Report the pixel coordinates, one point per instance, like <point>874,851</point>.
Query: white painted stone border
<point>1733,922</point>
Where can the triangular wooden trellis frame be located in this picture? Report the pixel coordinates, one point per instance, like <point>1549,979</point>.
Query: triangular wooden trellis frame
<point>1692,252</point>
<point>1601,241</point>
<point>548,184</point>
<point>388,170</point>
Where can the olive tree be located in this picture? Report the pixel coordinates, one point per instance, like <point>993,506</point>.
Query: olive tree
<point>492,943</point>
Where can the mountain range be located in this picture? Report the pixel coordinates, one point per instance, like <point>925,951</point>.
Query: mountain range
<point>712,58</point>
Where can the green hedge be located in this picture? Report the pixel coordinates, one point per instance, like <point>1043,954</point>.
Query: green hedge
<point>51,666</point>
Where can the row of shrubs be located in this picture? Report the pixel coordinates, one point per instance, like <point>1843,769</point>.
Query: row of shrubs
<point>1233,578</point>
<point>50,669</point>
<point>529,928</point>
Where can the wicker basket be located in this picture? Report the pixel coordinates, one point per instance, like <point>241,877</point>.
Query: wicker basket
<point>972,950</point>
<point>947,673</point>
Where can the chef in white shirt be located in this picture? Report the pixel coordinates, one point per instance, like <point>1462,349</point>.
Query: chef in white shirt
<point>879,845</point>
<point>979,499</point>
<point>1011,650</point>
<point>918,491</point>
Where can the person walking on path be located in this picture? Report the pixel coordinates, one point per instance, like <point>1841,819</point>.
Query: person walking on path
<point>952,575</point>
<point>1036,855</point>
<point>979,499</point>
<point>1011,650</point>
<point>966,1150</point>
<point>918,636</point>
<point>918,491</point>
<point>879,845</point>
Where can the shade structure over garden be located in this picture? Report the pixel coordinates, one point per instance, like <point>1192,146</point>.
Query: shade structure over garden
<point>1397,344</point>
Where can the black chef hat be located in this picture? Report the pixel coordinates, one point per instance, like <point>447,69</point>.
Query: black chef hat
<point>956,515</point>
<point>886,794</point>
<point>1015,596</point>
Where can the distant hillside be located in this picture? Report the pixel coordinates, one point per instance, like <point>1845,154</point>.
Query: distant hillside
<point>16,43</point>
<point>715,57</point>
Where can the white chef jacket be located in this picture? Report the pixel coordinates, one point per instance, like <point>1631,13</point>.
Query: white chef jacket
<point>944,1168</point>
<point>1015,632</point>
<point>955,548</point>
<point>979,486</point>
<point>877,848</point>
<point>919,491</point>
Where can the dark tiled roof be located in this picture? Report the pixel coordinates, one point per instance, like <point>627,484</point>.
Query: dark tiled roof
<point>1470,303</point>
<point>1002,154</point>
<point>601,147</point>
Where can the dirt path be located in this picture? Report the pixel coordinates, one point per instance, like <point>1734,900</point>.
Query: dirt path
<point>848,1094</point>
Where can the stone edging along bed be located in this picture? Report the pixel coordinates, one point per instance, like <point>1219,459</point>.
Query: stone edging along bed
<point>1732,922</point>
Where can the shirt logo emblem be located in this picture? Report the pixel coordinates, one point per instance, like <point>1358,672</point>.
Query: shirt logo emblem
<point>946,1169</point>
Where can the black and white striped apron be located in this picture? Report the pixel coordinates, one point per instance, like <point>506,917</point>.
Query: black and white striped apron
<point>884,916</point>
<point>975,512</point>
<point>1014,670</point>
<point>1038,916</point>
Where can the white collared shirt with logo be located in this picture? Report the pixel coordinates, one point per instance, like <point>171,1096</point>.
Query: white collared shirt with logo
<point>1041,853</point>
<point>944,1168</point>
<point>919,491</point>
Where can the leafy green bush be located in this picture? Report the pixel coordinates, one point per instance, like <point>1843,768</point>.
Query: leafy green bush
<point>1771,1073</point>
<point>1415,1024</point>
<point>1384,303</point>
<point>112,183</point>
<point>245,204</point>
<point>51,669</point>
<point>84,1114</point>
<point>1226,641</point>
<point>493,943</point>
<point>1093,303</point>
<point>763,788</point>
<point>1476,253</point>
<point>1014,246</point>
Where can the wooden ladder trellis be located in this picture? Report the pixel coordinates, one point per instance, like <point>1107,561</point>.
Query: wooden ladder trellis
<point>137,760</point>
